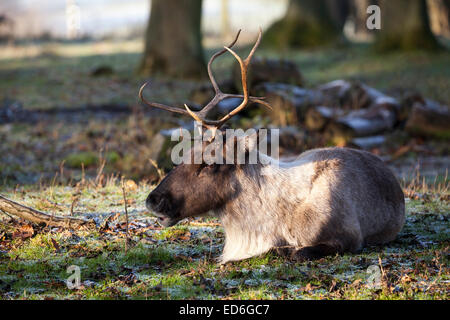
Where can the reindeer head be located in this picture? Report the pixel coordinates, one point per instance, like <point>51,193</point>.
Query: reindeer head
<point>194,189</point>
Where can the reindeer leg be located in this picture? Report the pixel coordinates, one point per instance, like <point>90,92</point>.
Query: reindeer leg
<point>307,253</point>
<point>314,252</point>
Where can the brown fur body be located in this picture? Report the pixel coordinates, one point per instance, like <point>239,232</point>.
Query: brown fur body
<point>327,201</point>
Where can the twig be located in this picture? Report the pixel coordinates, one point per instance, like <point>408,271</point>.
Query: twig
<point>126,215</point>
<point>61,171</point>
<point>98,178</point>
<point>72,206</point>
<point>159,171</point>
<point>383,273</point>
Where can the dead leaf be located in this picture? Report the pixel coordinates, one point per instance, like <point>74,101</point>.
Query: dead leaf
<point>309,287</point>
<point>130,185</point>
<point>357,282</point>
<point>406,279</point>
<point>185,237</point>
<point>24,232</point>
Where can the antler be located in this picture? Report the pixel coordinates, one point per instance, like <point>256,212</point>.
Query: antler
<point>200,116</point>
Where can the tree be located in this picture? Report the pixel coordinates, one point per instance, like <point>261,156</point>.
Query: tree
<point>440,16</point>
<point>405,26</point>
<point>307,23</point>
<point>173,40</point>
<point>339,11</point>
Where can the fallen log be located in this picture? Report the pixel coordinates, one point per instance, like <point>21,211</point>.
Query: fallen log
<point>429,120</point>
<point>33,215</point>
<point>368,143</point>
<point>317,118</point>
<point>351,95</point>
<point>289,103</point>
<point>361,123</point>
<point>204,93</point>
<point>265,70</point>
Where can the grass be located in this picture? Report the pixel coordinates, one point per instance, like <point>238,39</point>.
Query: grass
<point>59,74</point>
<point>180,262</point>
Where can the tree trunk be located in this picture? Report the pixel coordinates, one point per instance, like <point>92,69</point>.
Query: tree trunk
<point>405,26</point>
<point>225,25</point>
<point>358,16</point>
<point>307,23</point>
<point>439,12</point>
<point>173,40</point>
<point>339,11</point>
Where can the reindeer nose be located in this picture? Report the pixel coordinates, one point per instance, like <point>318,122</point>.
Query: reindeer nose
<point>152,201</point>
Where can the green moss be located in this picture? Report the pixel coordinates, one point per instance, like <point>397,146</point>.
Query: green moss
<point>292,33</point>
<point>38,247</point>
<point>142,254</point>
<point>75,160</point>
<point>112,157</point>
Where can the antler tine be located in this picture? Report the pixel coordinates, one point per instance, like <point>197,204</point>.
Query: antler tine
<point>252,52</point>
<point>219,95</point>
<point>217,54</point>
<point>159,105</point>
<point>200,116</point>
<point>244,68</point>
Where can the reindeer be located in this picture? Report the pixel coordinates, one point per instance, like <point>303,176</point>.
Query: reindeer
<point>327,201</point>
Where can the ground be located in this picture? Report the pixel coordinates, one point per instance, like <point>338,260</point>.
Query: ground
<point>41,166</point>
<point>181,262</point>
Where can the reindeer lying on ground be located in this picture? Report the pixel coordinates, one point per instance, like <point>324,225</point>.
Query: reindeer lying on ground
<point>328,201</point>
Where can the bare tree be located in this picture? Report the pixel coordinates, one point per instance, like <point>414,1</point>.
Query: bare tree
<point>173,40</point>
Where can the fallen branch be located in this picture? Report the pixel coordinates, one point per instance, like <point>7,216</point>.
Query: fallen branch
<point>30,214</point>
